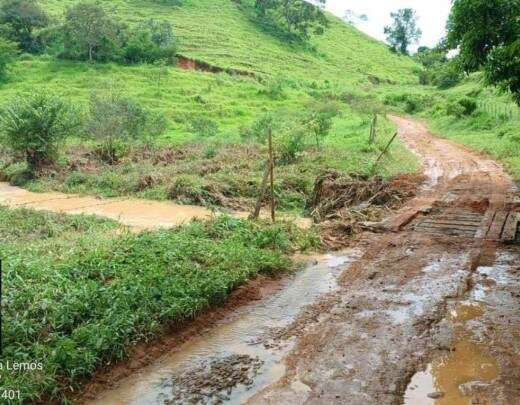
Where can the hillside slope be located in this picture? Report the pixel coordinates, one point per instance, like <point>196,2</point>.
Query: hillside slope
<point>219,32</point>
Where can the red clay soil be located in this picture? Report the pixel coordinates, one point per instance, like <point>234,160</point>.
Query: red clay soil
<point>394,312</point>
<point>193,64</point>
<point>390,317</point>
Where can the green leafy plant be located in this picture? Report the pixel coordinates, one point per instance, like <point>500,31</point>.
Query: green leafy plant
<point>36,126</point>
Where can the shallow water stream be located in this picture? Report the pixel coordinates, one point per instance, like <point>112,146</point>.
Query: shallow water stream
<point>236,349</point>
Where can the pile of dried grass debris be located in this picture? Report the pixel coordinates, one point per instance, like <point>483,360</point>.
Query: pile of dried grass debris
<point>341,204</point>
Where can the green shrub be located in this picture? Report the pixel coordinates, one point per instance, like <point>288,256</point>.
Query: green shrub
<point>116,118</point>
<point>446,75</point>
<point>462,107</point>
<point>319,121</point>
<point>410,103</point>
<point>290,144</point>
<point>274,88</point>
<point>203,126</point>
<point>37,126</point>
<point>469,105</point>
<point>7,52</point>
<point>258,130</point>
<point>152,41</point>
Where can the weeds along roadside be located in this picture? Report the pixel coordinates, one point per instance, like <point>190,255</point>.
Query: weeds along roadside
<point>219,169</point>
<point>79,291</point>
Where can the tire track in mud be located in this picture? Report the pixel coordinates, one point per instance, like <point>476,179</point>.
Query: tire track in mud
<point>391,316</point>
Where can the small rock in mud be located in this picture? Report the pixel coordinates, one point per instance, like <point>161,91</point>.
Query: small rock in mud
<point>212,382</point>
<point>435,395</point>
<point>472,387</point>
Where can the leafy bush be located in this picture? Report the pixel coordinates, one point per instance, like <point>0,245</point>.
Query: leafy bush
<point>462,107</point>
<point>320,119</point>
<point>290,144</point>
<point>37,126</point>
<point>275,88</point>
<point>258,130</point>
<point>7,52</point>
<point>203,126</point>
<point>410,103</point>
<point>152,41</point>
<point>116,118</point>
<point>446,75</point>
<point>469,105</point>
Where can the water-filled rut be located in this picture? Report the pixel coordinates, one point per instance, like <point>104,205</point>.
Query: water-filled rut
<point>240,355</point>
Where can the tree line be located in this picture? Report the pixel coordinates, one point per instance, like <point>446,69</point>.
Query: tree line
<point>87,32</point>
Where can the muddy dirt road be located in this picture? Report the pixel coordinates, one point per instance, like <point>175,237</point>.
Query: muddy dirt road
<point>424,310</point>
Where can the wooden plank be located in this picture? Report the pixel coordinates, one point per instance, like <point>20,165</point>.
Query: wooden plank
<point>497,227</point>
<point>510,228</point>
<point>453,224</point>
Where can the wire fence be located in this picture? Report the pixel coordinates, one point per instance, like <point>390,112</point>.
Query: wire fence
<point>498,110</point>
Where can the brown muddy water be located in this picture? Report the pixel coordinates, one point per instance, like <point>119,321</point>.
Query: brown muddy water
<point>470,371</point>
<point>135,213</point>
<point>237,358</point>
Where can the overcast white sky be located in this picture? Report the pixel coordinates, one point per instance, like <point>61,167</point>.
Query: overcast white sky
<point>433,15</point>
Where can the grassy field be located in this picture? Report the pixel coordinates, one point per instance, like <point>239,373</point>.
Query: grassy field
<point>78,291</point>
<point>344,67</point>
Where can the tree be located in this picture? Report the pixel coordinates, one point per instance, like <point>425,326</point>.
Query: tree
<point>7,52</point>
<point>91,34</point>
<point>299,18</point>
<point>37,126</point>
<point>404,31</point>
<point>19,19</point>
<point>429,57</point>
<point>152,41</point>
<point>491,41</point>
<point>352,18</point>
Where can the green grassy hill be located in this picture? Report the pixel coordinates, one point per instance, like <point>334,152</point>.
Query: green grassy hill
<point>220,33</point>
<point>342,66</point>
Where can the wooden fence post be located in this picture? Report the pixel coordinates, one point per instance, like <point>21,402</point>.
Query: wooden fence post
<point>263,188</point>
<point>268,176</point>
<point>271,165</point>
<point>373,130</point>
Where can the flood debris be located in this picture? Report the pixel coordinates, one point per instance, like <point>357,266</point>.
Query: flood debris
<point>344,204</point>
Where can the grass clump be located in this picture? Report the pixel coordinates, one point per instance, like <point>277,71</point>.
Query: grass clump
<point>99,291</point>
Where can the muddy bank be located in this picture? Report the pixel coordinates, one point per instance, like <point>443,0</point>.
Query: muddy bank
<point>237,356</point>
<point>193,64</point>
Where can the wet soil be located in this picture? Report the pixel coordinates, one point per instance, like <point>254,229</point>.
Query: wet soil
<point>415,313</point>
<point>417,320</point>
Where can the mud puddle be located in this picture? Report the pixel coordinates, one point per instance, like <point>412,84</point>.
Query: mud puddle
<point>469,371</point>
<point>453,378</point>
<point>235,359</point>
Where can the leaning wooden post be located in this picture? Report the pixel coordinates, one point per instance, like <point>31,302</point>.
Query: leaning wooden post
<point>271,166</point>
<point>263,188</point>
<point>384,151</point>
